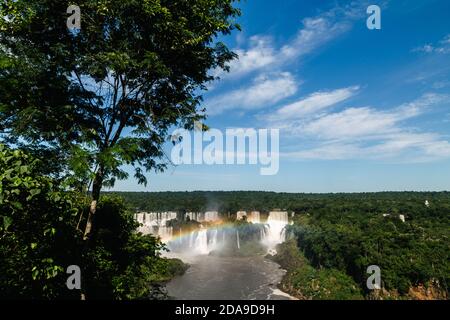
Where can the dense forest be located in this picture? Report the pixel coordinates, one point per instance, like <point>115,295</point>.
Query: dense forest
<point>337,236</point>
<point>40,236</point>
<point>78,105</point>
<point>266,201</point>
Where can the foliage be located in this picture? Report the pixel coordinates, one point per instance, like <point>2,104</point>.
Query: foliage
<point>87,103</point>
<point>307,282</point>
<point>123,264</point>
<point>39,240</point>
<point>324,284</point>
<point>345,232</point>
<point>37,235</point>
<point>105,96</point>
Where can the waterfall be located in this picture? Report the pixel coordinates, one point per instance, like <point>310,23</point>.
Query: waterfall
<point>197,216</point>
<point>201,242</point>
<point>211,216</point>
<point>237,239</point>
<point>276,223</point>
<point>254,217</point>
<point>212,244</point>
<point>139,217</point>
<point>191,240</point>
<point>240,215</point>
<point>156,223</point>
<point>166,233</point>
<point>210,236</point>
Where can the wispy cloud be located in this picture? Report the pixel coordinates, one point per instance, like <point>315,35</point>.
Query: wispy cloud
<point>263,58</point>
<point>262,53</point>
<point>442,47</point>
<point>401,147</point>
<point>366,122</point>
<point>312,104</point>
<point>366,132</point>
<point>265,90</point>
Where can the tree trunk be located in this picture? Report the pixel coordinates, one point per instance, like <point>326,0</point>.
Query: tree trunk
<point>96,188</point>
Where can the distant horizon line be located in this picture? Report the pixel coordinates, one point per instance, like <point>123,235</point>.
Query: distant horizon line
<point>281,192</point>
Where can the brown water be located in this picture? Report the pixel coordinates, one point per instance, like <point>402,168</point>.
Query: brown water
<point>228,278</point>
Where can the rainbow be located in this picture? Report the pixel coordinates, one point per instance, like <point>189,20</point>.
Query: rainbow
<point>227,227</point>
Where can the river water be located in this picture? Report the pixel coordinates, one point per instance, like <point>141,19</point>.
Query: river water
<point>228,278</point>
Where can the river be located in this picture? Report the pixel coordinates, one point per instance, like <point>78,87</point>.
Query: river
<point>228,278</point>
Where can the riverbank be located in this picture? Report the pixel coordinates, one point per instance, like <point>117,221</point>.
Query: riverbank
<point>173,268</point>
<point>304,282</point>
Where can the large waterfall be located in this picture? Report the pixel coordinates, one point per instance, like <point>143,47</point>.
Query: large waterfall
<point>201,242</point>
<point>240,215</point>
<point>276,223</point>
<point>253,217</point>
<point>238,241</point>
<point>208,237</point>
<point>156,223</point>
<point>210,216</point>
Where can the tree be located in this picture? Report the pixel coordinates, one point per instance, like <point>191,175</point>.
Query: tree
<point>37,235</point>
<point>39,240</point>
<point>123,264</point>
<point>106,95</point>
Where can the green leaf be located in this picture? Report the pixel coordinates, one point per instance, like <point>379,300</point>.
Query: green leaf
<point>23,169</point>
<point>34,273</point>
<point>7,221</point>
<point>33,193</point>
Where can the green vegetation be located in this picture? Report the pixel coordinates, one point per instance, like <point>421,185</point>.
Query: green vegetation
<point>77,107</point>
<point>121,263</point>
<point>351,236</point>
<point>308,283</point>
<point>40,238</point>
<point>340,235</point>
<point>87,103</point>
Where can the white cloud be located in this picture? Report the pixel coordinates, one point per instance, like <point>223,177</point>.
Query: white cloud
<point>370,133</point>
<point>431,145</point>
<point>404,147</point>
<point>351,123</point>
<point>443,47</point>
<point>314,103</point>
<point>315,32</point>
<point>446,40</point>
<point>359,122</point>
<point>265,90</point>
<point>331,151</point>
<point>262,53</point>
<point>263,56</point>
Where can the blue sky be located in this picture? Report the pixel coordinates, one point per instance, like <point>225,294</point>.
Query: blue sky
<point>357,109</point>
